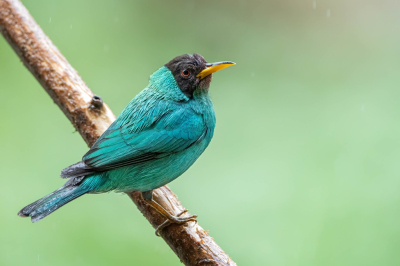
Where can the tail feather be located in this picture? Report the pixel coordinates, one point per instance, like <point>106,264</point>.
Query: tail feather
<point>29,208</point>
<point>50,203</point>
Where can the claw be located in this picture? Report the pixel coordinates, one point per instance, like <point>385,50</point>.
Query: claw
<point>162,226</point>
<point>175,220</point>
<point>182,212</point>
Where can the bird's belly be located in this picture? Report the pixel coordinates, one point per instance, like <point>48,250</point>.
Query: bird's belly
<point>154,174</point>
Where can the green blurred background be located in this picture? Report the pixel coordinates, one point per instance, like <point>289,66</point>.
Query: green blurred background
<point>304,165</point>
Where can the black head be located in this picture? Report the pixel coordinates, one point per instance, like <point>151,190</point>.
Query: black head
<point>185,69</point>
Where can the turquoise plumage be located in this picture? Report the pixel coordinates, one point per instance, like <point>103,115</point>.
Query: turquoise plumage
<point>152,136</point>
<point>155,139</point>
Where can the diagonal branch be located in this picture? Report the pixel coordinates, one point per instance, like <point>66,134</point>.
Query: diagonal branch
<point>91,118</point>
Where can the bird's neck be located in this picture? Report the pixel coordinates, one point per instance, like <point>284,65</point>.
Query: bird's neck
<point>201,103</point>
<point>163,81</point>
<point>201,95</point>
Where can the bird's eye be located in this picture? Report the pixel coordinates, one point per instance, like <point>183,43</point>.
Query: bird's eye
<point>185,73</point>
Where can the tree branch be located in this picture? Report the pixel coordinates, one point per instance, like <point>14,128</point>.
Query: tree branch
<point>91,118</point>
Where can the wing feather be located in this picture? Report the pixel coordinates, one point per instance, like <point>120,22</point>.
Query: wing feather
<point>172,132</point>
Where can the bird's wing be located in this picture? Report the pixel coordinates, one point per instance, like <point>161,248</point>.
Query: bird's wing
<point>173,131</point>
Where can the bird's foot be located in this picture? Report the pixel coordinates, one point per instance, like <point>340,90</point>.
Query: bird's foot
<point>175,220</point>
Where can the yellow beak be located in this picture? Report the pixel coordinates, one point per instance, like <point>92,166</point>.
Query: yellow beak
<point>214,67</point>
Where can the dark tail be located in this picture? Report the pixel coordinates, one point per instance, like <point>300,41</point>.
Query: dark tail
<point>50,203</point>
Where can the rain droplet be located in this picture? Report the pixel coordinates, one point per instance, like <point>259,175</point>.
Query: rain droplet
<point>70,26</point>
<point>328,13</point>
<point>314,5</point>
<point>50,20</point>
<point>105,47</point>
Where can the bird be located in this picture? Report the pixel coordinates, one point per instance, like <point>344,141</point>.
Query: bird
<point>161,132</point>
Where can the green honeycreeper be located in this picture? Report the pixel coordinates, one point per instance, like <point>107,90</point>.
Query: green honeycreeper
<point>155,139</point>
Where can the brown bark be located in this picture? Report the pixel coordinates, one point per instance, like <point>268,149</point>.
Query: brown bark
<point>91,118</point>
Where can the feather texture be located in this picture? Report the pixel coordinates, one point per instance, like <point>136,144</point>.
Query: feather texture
<point>155,139</point>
